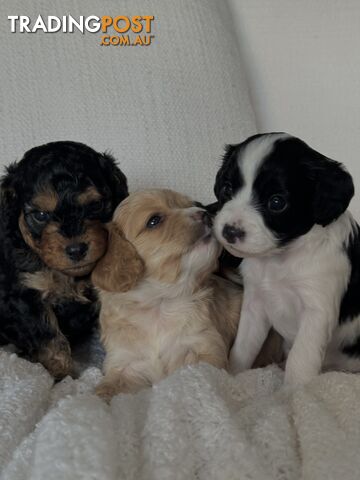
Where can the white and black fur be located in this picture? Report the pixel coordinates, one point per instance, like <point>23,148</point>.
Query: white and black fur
<point>283,208</point>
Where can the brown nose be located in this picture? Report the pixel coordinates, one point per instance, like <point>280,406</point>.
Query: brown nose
<point>76,251</point>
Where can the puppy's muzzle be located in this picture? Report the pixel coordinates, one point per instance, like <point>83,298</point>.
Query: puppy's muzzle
<point>77,251</point>
<point>232,233</point>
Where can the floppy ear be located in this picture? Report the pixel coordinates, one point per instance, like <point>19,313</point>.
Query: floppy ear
<point>7,184</point>
<point>114,178</point>
<point>333,188</point>
<point>121,267</point>
<point>9,201</point>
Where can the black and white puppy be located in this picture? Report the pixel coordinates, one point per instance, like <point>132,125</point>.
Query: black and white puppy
<point>282,207</point>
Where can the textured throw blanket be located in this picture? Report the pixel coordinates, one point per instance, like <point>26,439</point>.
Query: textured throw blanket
<point>200,423</point>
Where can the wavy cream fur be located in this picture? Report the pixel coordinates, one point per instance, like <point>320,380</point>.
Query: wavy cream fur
<point>179,313</point>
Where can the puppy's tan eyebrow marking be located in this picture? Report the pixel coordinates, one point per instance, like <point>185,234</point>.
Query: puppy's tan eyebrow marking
<point>46,200</point>
<point>88,195</point>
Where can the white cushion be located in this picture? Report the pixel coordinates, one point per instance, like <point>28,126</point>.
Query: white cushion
<point>165,111</point>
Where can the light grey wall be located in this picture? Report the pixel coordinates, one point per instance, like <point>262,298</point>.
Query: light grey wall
<point>165,111</point>
<point>303,67</point>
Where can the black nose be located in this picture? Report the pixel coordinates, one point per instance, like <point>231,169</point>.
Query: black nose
<point>76,251</point>
<point>232,233</point>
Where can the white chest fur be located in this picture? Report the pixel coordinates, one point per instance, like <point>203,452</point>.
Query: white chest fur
<point>271,287</point>
<point>310,275</point>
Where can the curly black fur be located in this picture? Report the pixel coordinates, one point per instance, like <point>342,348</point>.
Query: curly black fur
<point>67,169</point>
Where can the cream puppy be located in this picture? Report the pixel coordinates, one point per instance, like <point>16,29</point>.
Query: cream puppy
<point>162,306</point>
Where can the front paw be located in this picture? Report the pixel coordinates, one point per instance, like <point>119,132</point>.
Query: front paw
<point>115,383</point>
<point>107,390</point>
<point>296,375</point>
<point>56,357</point>
<point>235,363</point>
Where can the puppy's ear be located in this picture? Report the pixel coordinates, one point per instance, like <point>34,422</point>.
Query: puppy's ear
<point>121,267</point>
<point>8,181</point>
<point>114,178</point>
<point>9,201</point>
<point>333,187</point>
<point>223,173</point>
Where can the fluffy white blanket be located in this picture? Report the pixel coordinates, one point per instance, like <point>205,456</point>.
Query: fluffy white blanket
<point>200,423</point>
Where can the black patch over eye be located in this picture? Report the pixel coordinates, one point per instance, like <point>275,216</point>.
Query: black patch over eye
<point>226,192</point>
<point>277,204</point>
<point>40,216</point>
<point>154,221</point>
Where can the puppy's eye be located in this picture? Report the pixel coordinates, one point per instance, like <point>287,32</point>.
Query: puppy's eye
<point>154,221</point>
<point>226,192</point>
<point>96,207</point>
<point>277,204</point>
<point>40,216</point>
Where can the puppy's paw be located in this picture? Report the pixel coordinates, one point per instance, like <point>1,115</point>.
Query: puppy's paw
<point>106,390</point>
<point>295,375</point>
<point>56,357</point>
<point>235,363</point>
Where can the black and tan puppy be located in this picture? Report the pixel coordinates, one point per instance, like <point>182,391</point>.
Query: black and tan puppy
<point>54,204</point>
